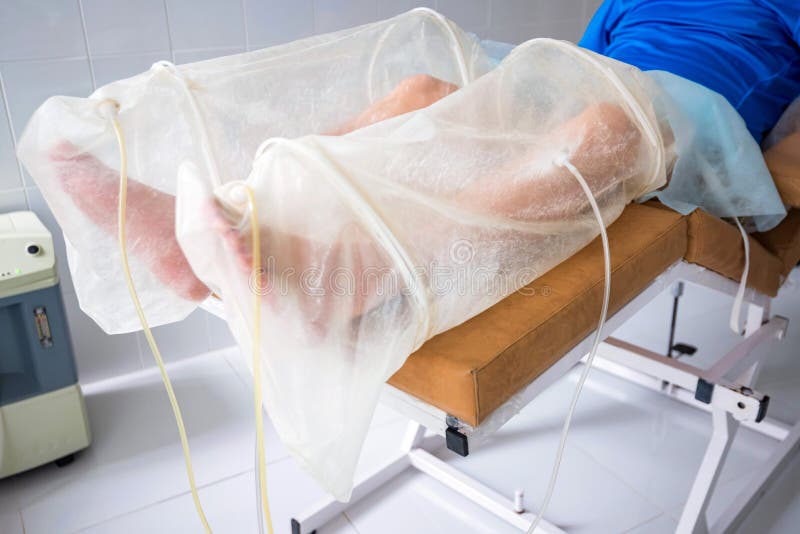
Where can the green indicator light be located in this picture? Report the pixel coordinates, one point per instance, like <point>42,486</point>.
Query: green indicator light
<point>17,271</point>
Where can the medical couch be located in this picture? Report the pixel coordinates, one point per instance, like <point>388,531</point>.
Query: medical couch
<point>467,382</point>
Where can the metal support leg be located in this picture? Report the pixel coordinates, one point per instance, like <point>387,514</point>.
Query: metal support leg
<point>756,315</point>
<point>677,292</point>
<point>414,452</point>
<point>740,507</point>
<point>478,493</point>
<point>693,518</point>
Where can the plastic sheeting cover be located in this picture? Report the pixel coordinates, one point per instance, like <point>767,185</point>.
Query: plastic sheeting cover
<point>374,241</point>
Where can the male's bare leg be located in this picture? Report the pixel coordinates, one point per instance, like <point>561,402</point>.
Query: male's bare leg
<point>607,145</point>
<point>93,186</point>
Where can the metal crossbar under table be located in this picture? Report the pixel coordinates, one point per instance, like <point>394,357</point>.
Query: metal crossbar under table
<point>725,391</point>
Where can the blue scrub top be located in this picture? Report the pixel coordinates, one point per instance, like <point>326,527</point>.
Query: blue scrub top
<point>746,50</point>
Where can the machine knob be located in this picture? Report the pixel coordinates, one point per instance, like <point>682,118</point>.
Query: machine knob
<point>33,249</point>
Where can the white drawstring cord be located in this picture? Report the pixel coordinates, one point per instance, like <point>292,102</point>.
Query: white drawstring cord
<point>366,209</point>
<point>205,141</point>
<point>736,311</point>
<point>564,162</point>
<point>455,45</point>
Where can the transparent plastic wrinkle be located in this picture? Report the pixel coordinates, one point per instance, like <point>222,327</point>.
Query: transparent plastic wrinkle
<point>389,194</point>
<point>312,85</point>
<point>374,241</point>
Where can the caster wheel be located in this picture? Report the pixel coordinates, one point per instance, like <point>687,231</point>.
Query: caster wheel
<point>65,460</point>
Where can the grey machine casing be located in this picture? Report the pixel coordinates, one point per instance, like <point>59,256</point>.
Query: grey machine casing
<point>42,410</point>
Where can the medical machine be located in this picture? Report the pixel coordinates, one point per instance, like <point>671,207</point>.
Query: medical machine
<point>42,412</point>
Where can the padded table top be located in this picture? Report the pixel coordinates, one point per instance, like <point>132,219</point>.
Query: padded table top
<point>472,369</point>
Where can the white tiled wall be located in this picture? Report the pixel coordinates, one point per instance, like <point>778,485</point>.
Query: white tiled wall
<point>69,47</point>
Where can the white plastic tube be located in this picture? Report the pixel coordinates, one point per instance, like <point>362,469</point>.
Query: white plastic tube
<point>736,311</point>
<point>564,162</point>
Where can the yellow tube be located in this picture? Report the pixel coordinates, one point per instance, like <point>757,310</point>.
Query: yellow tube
<point>256,343</point>
<point>123,194</point>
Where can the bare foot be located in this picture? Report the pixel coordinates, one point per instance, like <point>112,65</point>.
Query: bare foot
<point>319,295</point>
<point>411,94</point>
<point>94,188</point>
<point>320,278</point>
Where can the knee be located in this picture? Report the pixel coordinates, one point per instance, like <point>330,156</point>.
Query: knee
<point>611,120</point>
<point>609,139</point>
<point>426,87</point>
<point>420,82</point>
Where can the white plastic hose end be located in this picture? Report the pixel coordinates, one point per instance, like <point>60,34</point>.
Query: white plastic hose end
<point>561,158</point>
<point>108,108</point>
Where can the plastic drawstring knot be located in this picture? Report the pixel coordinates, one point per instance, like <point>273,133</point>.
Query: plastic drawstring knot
<point>108,108</point>
<point>166,65</point>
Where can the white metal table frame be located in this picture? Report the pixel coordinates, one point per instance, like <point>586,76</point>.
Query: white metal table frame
<point>725,390</point>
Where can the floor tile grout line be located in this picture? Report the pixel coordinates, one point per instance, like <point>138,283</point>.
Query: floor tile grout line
<point>162,501</point>
<point>678,508</point>
<point>207,323</point>
<point>350,522</point>
<point>176,496</point>
<point>643,523</point>
<point>682,498</point>
<point>612,472</point>
<point>628,484</point>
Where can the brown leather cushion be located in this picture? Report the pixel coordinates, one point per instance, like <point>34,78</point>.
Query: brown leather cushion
<point>783,161</point>
<point>472,369</point>
<point>717,245</point>
<point>783,241</point>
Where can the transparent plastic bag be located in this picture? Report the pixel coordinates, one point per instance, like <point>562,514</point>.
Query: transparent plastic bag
<point>373,241</point>
<point>217,120</point>
<point>374,248</point>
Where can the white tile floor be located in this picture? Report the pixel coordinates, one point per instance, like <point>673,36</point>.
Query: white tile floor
<point>628,465</point>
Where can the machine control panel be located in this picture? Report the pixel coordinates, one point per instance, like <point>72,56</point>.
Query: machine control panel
<point>27,256</point>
